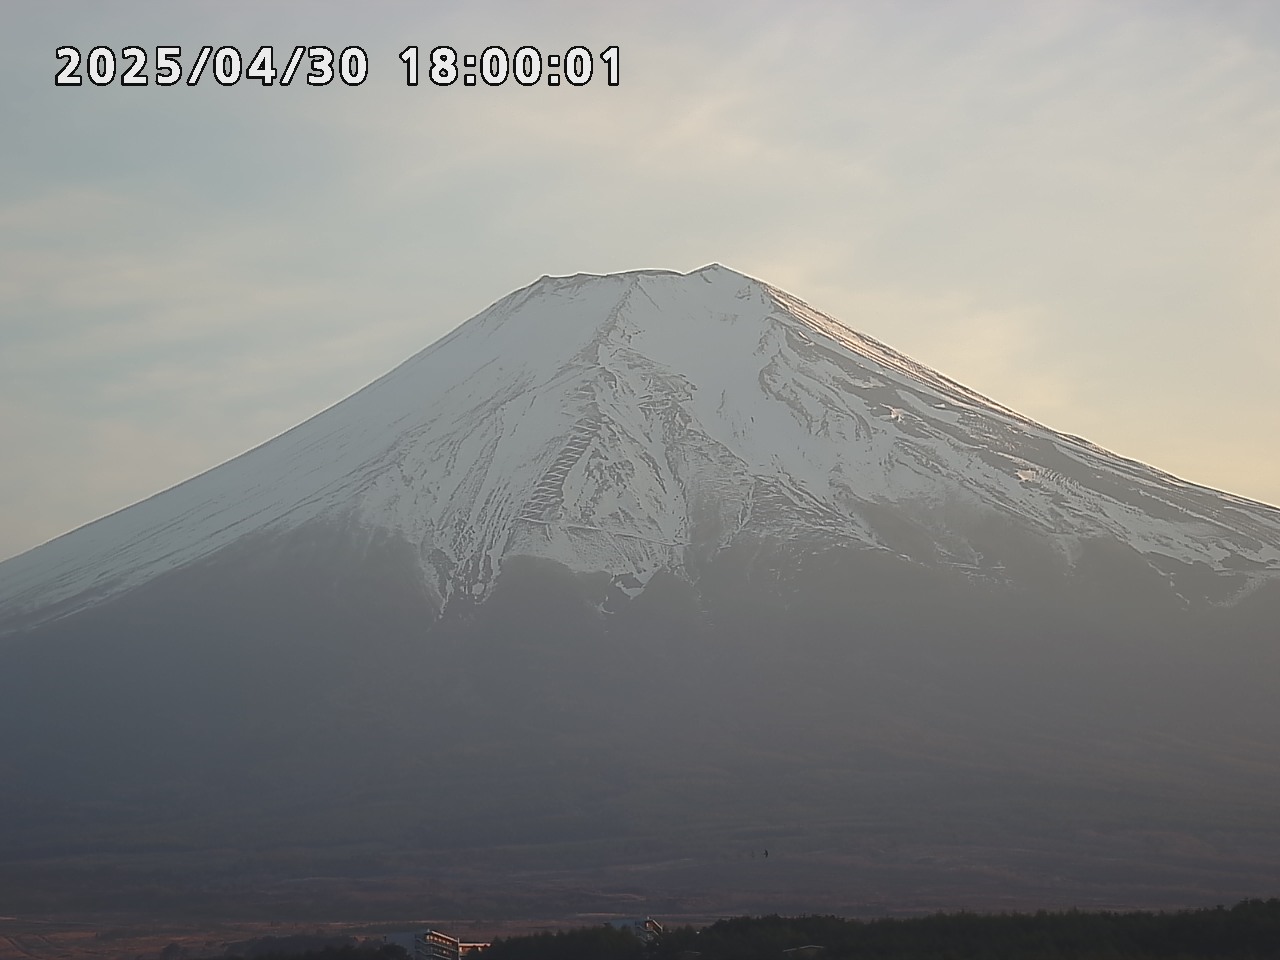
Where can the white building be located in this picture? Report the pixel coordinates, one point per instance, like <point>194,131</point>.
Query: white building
<point>430,944</point>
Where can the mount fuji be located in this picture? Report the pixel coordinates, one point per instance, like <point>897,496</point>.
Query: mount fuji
<point>622,579</point>
<point>637,422</point>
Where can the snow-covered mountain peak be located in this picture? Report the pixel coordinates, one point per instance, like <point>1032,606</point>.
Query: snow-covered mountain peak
<point>638,421</point>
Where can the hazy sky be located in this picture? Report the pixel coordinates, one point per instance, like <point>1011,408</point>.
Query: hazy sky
<point>1073,208</point>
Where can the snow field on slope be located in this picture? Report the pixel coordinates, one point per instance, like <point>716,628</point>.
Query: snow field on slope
<point>597,420</point>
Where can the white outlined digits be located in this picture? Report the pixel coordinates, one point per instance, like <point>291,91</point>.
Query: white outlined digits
<point>225,62</point>
<point>493,66</point>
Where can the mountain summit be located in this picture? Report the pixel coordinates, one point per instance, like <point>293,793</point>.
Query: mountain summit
<point>643,421</point>
<point>623,580</point>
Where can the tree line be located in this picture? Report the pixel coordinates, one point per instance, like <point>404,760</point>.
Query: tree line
<point>1248,930</point>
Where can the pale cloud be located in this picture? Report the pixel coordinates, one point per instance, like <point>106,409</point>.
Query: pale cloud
<point>63,470</point>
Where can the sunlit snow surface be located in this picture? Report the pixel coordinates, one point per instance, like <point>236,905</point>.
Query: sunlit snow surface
<point>616,423</point>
